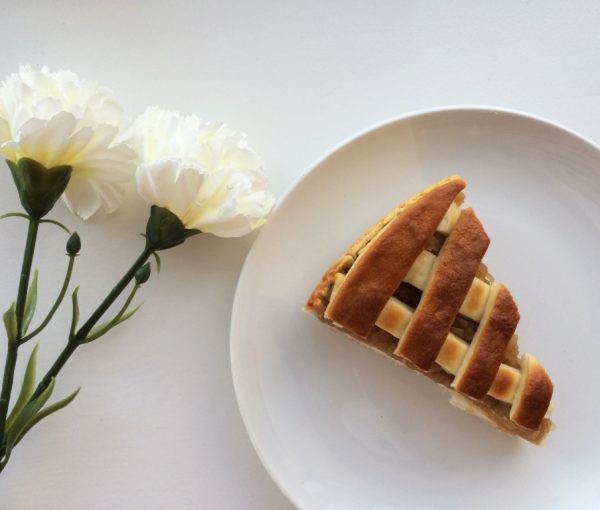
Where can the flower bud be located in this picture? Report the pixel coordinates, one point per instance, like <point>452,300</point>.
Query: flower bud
<point>74,244</point>
<point>142,274</point>
<point>39,187</point>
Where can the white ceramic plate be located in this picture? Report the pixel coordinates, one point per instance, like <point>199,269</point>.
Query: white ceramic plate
<point>339,427</point>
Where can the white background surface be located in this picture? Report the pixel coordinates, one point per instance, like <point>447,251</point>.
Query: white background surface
<point>156,424</point>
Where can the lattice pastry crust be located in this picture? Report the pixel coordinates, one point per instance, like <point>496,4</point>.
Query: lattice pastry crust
<point>413,287</point>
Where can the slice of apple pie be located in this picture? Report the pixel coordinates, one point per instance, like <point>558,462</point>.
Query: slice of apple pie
<point>413,288</point>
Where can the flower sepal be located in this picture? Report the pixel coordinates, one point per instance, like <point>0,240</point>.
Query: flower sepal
<point>39,187</point>
<point>165,230</point>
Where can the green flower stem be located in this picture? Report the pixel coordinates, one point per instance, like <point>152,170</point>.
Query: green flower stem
<point>34,223</point>
<point>80,336</point>
<point>13,347</point>
<point>7,382</point>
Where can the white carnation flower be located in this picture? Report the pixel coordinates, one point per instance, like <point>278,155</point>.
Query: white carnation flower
<point>203,172</point>
<point>57,119</point>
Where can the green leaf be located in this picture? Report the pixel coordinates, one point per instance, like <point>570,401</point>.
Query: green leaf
<point>30,302</point>
<point>105,327</point>
<point>27,387</point>
<point>56,304</point>
<point>122,315</point>
<point>25,417</point>
<point>126,316</point>
<point>10,323</point>
<point>75,316</point>
<point>47,411</point>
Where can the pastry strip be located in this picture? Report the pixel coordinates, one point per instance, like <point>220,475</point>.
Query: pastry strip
<point>484,356</point>
<point>451,279</point>
<point>533,394</point>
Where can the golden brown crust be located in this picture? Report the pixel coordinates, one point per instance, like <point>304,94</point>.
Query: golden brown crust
<point>533,395</point>
<point>483,359</point>
<point>511,355</point>
<point>318,300</point>
<point>451,280</point>
<point>505,383</point>
<point>451,353</point>
<point>380,269</point>
<point>394,316</point>
<point>474,304</point>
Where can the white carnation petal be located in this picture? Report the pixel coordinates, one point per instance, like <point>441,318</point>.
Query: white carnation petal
<point>104,134</point>
<point>48,141</point>
<point>157,182</point>
<point>44,108</point>
<point>164,181</point>
<point>145,184</point>
<point>236,226</point>
<point>4,130</point>
<point>82,198</point>
<point>183,195</point>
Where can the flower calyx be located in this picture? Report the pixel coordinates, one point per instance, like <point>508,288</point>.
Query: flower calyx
<point>39,187</point>
<point>165,230</point>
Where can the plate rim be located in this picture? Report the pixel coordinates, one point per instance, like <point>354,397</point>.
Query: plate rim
<point>411,115</point>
